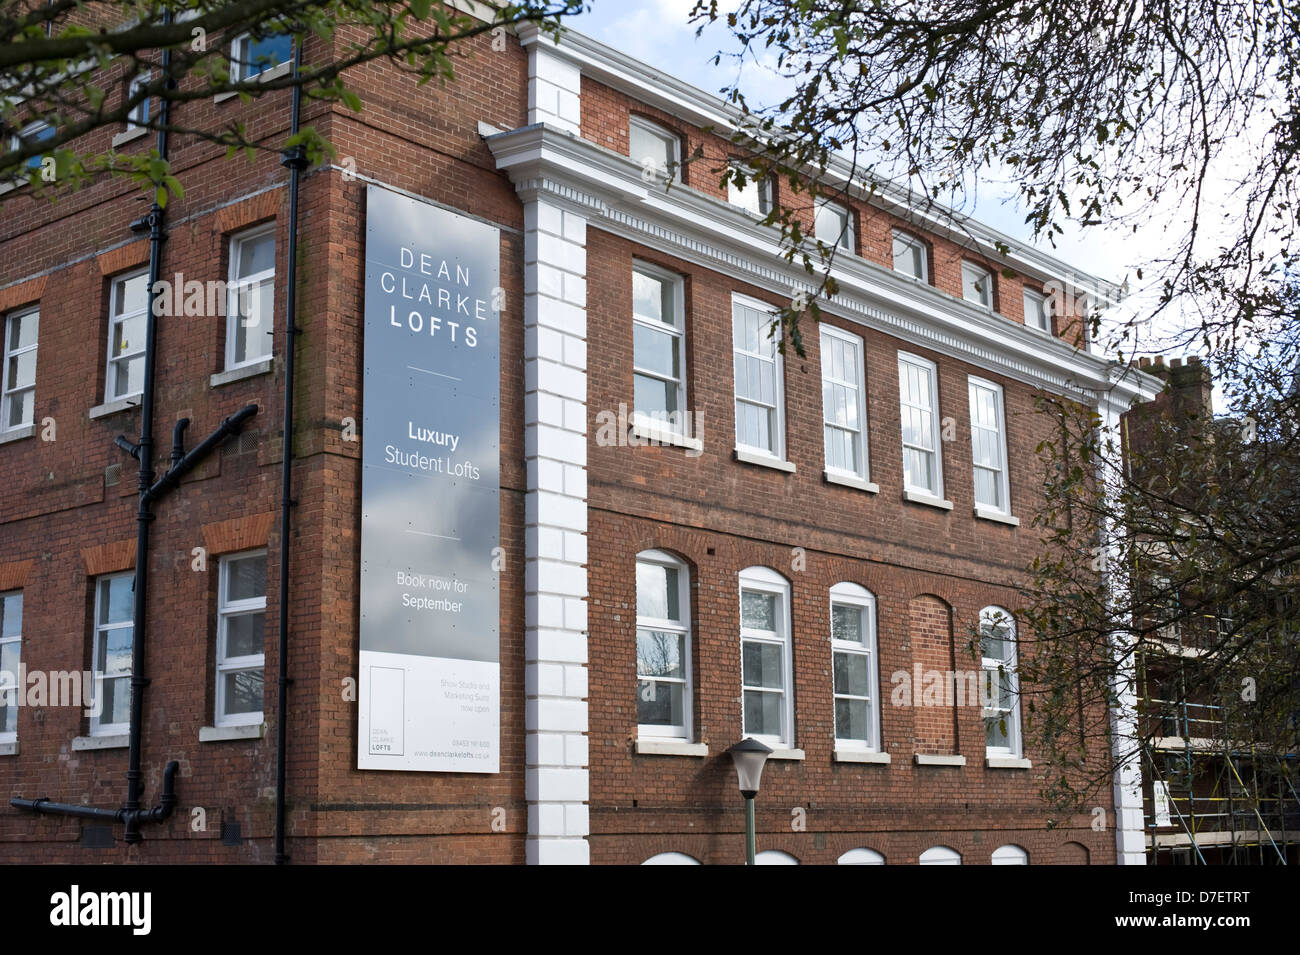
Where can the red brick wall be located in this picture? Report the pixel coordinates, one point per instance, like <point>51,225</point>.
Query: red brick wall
<point>424,140</point>
<point>722,516</point>
<point>929,633</point>
<point>605,113</point>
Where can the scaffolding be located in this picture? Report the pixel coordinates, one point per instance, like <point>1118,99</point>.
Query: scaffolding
<point>1213,797</point>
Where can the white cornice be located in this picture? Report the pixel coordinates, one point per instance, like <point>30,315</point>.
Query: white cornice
<point>659,89</point>
<point>607,187</point>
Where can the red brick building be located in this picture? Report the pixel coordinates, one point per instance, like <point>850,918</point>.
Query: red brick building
<point>788,561</point>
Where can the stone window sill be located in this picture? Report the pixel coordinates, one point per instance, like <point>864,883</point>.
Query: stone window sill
<point>670,747</point>
<point>17,434</point>
<point>655,433</point>
<point>764,460</point>
<point>9,749</point>
<point>988,514</point>
<point>251,370</point>
<point>920,497</point>
<point>115,406</point>
<point>849,480</point>
<point>82,743</point>
<point>216,734</point>
<point>935,759</point>
<point>129,135</point>
<point>1007,762</point>
<point>265,76</point>
<point>861,756</point>
<point>796,754</point>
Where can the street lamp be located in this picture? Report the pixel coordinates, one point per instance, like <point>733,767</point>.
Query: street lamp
<point>749,755</point>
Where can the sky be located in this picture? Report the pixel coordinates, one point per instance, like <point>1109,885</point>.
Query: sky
<point>659,33</point>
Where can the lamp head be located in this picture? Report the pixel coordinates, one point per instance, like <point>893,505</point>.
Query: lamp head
<point>749,756</point>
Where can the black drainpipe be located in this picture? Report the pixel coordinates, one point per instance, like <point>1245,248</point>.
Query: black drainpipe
<point>144,454</point>
<point>296,159</point>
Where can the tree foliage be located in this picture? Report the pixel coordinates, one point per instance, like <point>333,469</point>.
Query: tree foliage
<point>1097,112</point>
<point>69,63</point>
<point>1196,618</point>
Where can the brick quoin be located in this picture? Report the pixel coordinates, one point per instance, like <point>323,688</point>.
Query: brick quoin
<point>70,502</point>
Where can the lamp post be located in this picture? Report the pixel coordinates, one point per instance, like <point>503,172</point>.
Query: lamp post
<point>749,755</point>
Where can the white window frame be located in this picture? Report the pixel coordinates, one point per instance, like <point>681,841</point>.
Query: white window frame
<point>138,117</point>
<point>15,142</point>
<point>939,855</point>
<point>115,318</point>
<point>8,689</point>
<point>861,464</point>
<point>252,661</point>
<point>7,389</point>
<point>912,243</point>
<point>673,173</point>
<point>671,858</point>
<point>767,581</point>
<point>971,275</point>
<point>976,384</point>
<point>777,452</point>
<point>756,197</point>
<point>845,239</point>
<point>1010,854</point>
<point>862,856</point>
<point>677,285</point>
<point>685,731</point>
<point>242,68</point>
<point>1037,304</point>
<point>916,361</point>
<point>235,282</point>
<point>774,857</point>
<point>97,726</point>
<point>854,595</point>
<point>988,617</point>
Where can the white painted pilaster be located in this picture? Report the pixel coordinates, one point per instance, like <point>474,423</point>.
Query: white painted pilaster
<point>555,576</point>
<point>554,89</point>
<point>1130,841</point>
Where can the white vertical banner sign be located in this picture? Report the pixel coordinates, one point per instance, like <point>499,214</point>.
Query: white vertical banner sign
<point>1161,803</point>
<point>429,680</point>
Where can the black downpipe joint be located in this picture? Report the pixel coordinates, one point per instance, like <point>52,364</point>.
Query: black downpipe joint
<point>132,815</point>
<point>166,805</point>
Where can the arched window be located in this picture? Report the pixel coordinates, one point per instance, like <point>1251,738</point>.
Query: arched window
<point>663,646</point>
<point>854,677</point>
<point>940,855</point>
<point>671,858</point>
<point>1010,855</point>
<point>861,857</point>
<point>775,857</point>
<point>1000,688</point>
<point>767,710</point>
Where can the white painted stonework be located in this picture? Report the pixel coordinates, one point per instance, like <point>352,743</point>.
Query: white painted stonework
<point>555,576</point>
<point>554,89</point>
